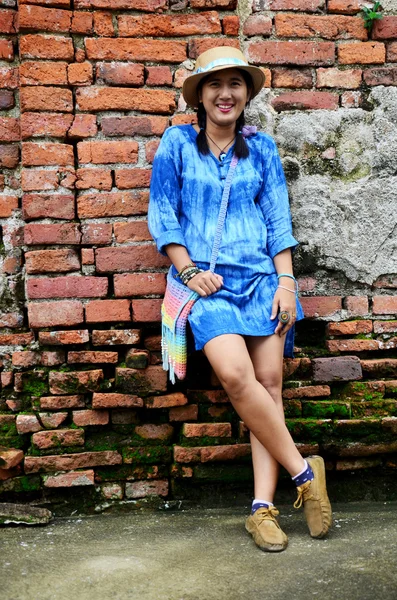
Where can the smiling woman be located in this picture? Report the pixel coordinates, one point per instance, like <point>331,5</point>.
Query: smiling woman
<point>223,181</point>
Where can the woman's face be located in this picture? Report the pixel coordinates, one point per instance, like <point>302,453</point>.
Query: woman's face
<point>224,95</point>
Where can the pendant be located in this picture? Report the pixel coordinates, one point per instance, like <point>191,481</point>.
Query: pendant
<point>222,156</point>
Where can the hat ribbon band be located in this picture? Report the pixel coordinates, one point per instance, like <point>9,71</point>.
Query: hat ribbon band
<point>221,62</point>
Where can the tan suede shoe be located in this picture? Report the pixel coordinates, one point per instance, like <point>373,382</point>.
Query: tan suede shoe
<point>316,504</point>
<point>264,528</point>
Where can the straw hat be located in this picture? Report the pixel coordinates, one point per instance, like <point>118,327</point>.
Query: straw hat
<point>217,59</point>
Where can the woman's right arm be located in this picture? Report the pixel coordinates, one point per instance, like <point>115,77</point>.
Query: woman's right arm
<point>204,283</point>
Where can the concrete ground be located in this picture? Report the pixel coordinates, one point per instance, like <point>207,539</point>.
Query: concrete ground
<point>200,555</point>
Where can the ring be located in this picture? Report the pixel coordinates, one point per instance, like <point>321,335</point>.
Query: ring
<point>284,317</point>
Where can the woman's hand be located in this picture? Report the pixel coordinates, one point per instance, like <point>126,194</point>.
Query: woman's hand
<point>284,300</point>
<point>205,283</point>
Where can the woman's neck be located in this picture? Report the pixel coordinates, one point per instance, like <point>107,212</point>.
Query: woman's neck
<point>221,134</point>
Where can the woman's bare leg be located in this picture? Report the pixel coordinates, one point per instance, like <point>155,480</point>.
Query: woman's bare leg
<point>267,358</point>
<point>229,357</point>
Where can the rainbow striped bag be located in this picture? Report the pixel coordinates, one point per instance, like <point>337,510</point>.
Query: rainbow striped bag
<point>179,299</point>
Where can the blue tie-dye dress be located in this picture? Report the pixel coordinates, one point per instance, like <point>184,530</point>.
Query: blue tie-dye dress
<point>185,196</point>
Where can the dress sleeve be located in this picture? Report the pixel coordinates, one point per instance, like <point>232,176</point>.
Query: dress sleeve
<point>165,196</point>
<point>273,200</point>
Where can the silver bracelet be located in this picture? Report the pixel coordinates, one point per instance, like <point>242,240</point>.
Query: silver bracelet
<point>285,288</point>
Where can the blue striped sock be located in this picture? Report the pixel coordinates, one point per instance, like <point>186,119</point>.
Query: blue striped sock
<point>305,475</point>
<point>260,504</point>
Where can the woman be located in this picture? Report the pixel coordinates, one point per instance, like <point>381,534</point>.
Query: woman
<point>235,319</point>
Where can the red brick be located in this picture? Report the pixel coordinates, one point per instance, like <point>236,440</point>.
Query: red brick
<point>146,310</point>
<point>52,261</point>
<point>171,400</point>
<point>7,378</point>
<point>138,284</point>
<point>9,77</point>
<point>94,98</point>
<point>140,381</point>
<point>307,391</point>
<point>158,76</point>
<point>321,306</point>
<point>292,78</point>
<point>32,180</point>
<point>384,305</point>
<point>27,424</point>
<point>16,339</point>
<point>7,18</point>
<point>6,99</point>
<point>46,46</point>
<point>11,320</point>
<point>117,73</point>
<point>111,204</point>
<point>132,178</point>
<point>392,52</point>
<point>30,359</point>
<point>62,233</point>
<point>221,453</point>
<point>135,50</point>
<point>87,178</point>
<point>10,457</point>
<point>45,153</point>
<point>292,53</point>
<point>82,418</point>
<point>96,233</point>
<point>83,126</point>
<point>142,489</point>
<point>103,23</point>
<point>6,50</point>
<point>92,356</point>
<point>231,25</point>
<point>51,314</point>
<point>224,4</point>
<point>381,76</point>
<point>335,78</point>
<point>116,401</point>
<point>357,306</point>
<point>45,124</point>
<point>352,345</point>
<point>328,27</point>
<point>79,55</point>
<point>68,462</point>
<point>69,480</point>
<point>348,7</point>
<point>112,126</point>
<point>75,381</point>
<point>207,429</point>
<point>56,338</point>
<point>101,152</point>
<point>131,258</point>
<point>385,326</point>
<point>305,101</point>
<point>67,287</point>
<point>169,25</point>
<point>61,402</point>
<point>9,129</point>
<point>102,311</point>
<point>341,368</point>
<point>7,205</point>
<point>199,45</point>
<point>362,53</point>
<point>151,149</point>
<point>87,256</point>
<point>9,156</point>
<point>45,19</point>
<point>12,265</point>
<point>349,328</point>
<point>213,396</point>
<point>80,73</point>
<point>81,22</point>
<point>39,206</point>
<point>351,99</point>
<point>114,337</point>
<point>184,413</point>
<point>385,367</point>
<point>385,28</point>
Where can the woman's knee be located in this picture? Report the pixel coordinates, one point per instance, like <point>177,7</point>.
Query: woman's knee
<point>235,378</point>
<point>272,382</point>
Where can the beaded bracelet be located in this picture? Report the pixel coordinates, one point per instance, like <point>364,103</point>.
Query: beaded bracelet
<point>183,269</point>
<point>187,272</point>
<point>186,278</point>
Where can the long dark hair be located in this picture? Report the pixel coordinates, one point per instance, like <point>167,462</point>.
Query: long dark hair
<point>241,149</point>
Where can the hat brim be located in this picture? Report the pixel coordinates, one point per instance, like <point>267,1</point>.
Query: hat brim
<point>190,85</point>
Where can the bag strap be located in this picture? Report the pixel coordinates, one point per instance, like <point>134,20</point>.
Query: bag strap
<point>222,212</point>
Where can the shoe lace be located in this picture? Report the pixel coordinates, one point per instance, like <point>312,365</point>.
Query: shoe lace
<point>303,495</point>
<point>267,514</point>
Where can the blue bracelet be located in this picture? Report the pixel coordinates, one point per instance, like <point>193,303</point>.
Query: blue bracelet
<point>291,277</point>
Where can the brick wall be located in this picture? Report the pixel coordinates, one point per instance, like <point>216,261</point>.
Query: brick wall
<point>86,93</point>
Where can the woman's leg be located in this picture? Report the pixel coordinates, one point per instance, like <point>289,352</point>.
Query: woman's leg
<point>267,358</point>
<point>230,359</point>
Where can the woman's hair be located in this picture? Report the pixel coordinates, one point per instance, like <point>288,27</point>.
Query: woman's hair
<point>241,149</point>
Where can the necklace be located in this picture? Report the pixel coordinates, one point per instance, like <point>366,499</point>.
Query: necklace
<point>223,153</point>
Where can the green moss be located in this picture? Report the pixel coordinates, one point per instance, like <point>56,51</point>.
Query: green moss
<point>25,483</point>
<point>326,410</point>
<point>205,440</point>
<point>147,455</point>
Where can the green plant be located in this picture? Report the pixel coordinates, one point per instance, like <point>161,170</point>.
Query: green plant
<point>371,14</point>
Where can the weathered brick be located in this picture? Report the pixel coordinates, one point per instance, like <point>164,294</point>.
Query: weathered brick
<point>39,206</point>
<point>97,98</point>
<point>158,76</point>
<point>231,25</point>
<point>68,480</point>
<point>207,429</point>
<point>349,328</point>
<point>362,53</point>
<point>257,25</point>
<point>381,76</point>
<point>102,311</point>
<point>143,382</point>
<point>213,396</point>
<point>184,413</point>
<point>68,462</point>
<point>118,73</point>
<point>11,319</point>
<point>292,53</point>
<point>199,45</point>
<point>42,234</point>
<point>6,50</point>
<point>135,50</point>
<point>9,156</point>
<point>46,46</point>
<point>137,359</point>
<point>7,205</point>
<point>7,99</point>
<point>67,287</point>
<point>45,19</point>
<point>51,261</point>
<point>80,73</point>
<point>336,78</point>
<point>168,401</point>
<point>385,28</point>
<point>7,19</point>
<point>169,25</point>
<point>384,367</point>
<point>58,437</point>
<point>45,124</point>
<point>62,402</point>
<point>29,359</point>
<point>392,52</point>
<point>305,101</point>
<point>385,326</point>
<point>114,337</point>
<point>55,338</point>
<point>87,256</point>
<point>83,126</point>
<point>346,368</point>
<point>148,431</point>
<point>357,306</point>
<point>96,233</point>
<point>10,457</point>
<point>6,378</point>
<point>116,401</point>
<point>225,4</point>
<point>138,284</point>
<point>75,381</point>
<point>357,463</point>
<point>384,305</point>
<point>146,311</point>
<point>321,306</point>
<point>39,73</point>
<point>141,489</point>
<point>45,153</point>
<point>307,391</point>
<point>328,27</point>
<point>39,179</point>
<point>52,314</point>
<point>9,77</point>
<point>100,179</point>
<point>348,7</point>
<point>151,149</point>
<point>148,125</point>
<point>81,22</point>
<point>112,204</point>
<point>16,339</point>
<point>99,152</point>
<point>27,424</point>
<point>352,345</point>
<point>351,99</point>
<point>131,258</point>
<point>364,389</point>
<point>82,418</point>
<point>92,356</point>
<point>292,78</point>
<point>12,265</point>
<point>9,129</point>
<point>103,23</point>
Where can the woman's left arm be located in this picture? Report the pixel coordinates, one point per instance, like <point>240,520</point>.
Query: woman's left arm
<point>284,299</point>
